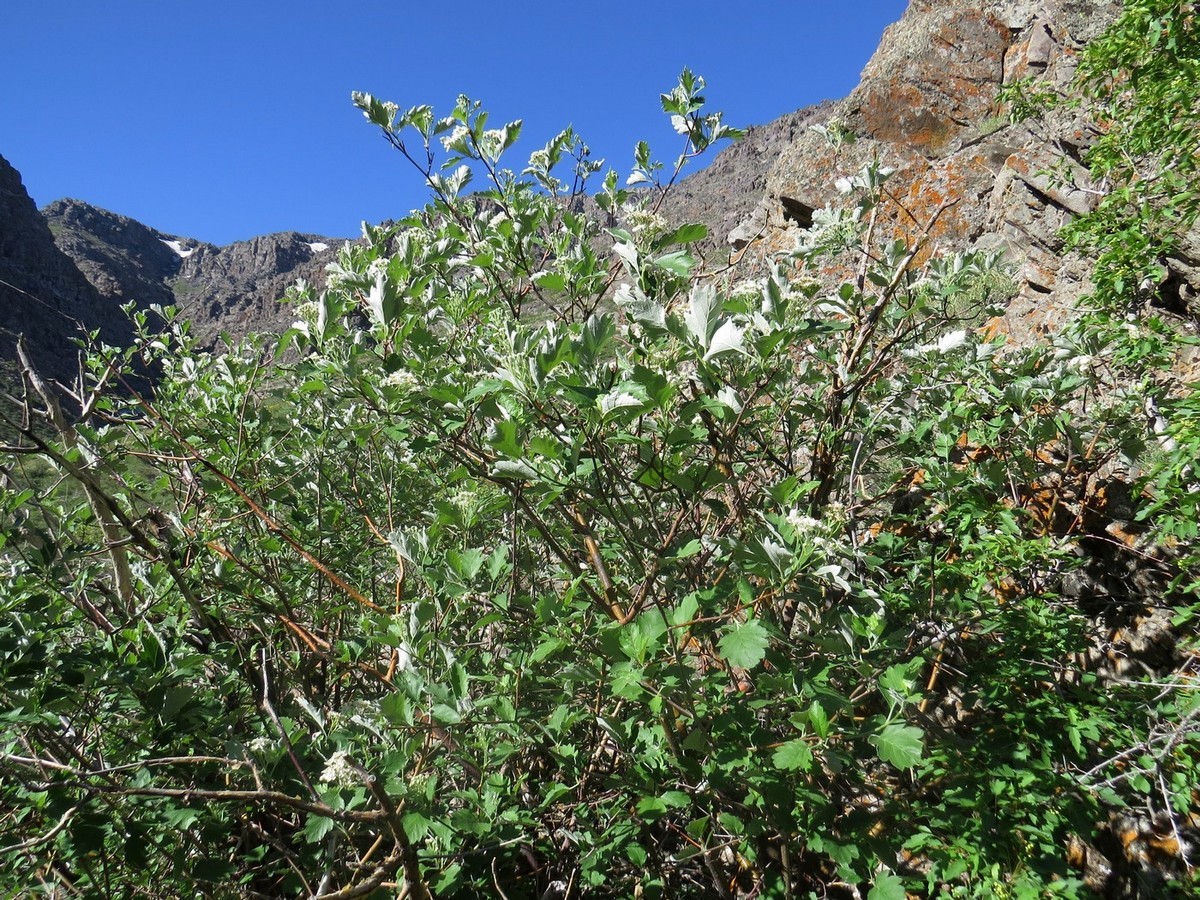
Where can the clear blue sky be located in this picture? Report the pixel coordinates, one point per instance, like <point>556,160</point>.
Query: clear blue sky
<point>223,120</point>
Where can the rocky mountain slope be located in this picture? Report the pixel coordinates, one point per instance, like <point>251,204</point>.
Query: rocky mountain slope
<point>928,106</point>
<point>42,293</point>
<point>235,288</point>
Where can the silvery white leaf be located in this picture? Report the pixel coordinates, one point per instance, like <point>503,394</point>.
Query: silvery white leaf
<point>513,468</point>
<point>627,252</point>
<point>643,309</point>
<point>618,399</point>
<point>950,341</point>
<point>728,396</point>
<point>727,339</point>
<point>776,552</point>
<point>700,317</point>
<point>375,301</point>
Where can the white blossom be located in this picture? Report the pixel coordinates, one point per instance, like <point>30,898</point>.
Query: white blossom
<point>309,311</point>
<point>459,134</point>
<point>643,222</point>
<point>401,378</point>
<point>802,524</point>
<point>747,289</point>
<point>339,771</point>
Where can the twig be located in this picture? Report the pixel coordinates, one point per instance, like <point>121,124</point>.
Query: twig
<point>48,836</point>
<point>287,742</point>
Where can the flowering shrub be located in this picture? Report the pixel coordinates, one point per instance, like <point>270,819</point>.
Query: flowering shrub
<point>541,571</point>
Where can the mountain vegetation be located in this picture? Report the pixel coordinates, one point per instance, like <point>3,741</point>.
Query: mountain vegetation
<point>544,557</point>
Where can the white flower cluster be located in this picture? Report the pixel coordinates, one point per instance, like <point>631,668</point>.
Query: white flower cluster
<point>339,770</point>
<point>822,534</point>
<point>401,378</point>
<point>357,713</point>
<point>465,499</point>
<point>802,524</point>
<point>644,223</point>
<point>261,745</point>
<point>457,136</point>
<point>747,289</point>
<point>309,311</point>
<point>492,142</point>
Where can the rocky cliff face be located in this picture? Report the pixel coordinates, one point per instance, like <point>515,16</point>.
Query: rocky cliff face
<point>724,194</point>
<point>42,294</point>
<point>123,259</point>
<point>928,107</point>
<point>235,288</point>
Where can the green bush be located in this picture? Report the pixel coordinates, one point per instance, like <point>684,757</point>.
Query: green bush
<point>535,574</point>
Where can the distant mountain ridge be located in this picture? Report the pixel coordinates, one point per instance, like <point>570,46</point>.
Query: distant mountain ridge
<point>43,294</point>
<point>234,288</point>
<point>71,266</point>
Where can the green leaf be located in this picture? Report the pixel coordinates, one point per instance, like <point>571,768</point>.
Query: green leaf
<point>547,647</point>
<point>685,234</point>
<point>793,756</point>
<point>651,808</point>
<point>316,828</point>
<point>467,563</point>
<point>415,825</point>
<point>677,799</point>
<point>550,281</point>
<point>745,644</point>
<point>686,610</point>
<point>626,681</point>
<point>678,262</point>
<point>887,887</point>
<point>445,714</point>
<point>900,745</point>
<point>818,720</point>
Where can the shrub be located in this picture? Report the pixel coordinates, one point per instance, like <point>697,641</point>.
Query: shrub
<point>536,574</point>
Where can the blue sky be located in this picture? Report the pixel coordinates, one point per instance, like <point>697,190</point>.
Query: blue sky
<point>223,120</point>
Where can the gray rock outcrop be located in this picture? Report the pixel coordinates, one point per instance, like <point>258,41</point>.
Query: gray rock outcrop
<point>43,295</point>
<point>928,106</point>
<point>234,289</point>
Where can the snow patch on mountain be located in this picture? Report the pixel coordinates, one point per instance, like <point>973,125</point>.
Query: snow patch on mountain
<point>178,248</point>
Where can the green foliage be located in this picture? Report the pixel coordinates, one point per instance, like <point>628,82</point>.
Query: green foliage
<point>1144,72</point>
<point>489,585</point>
